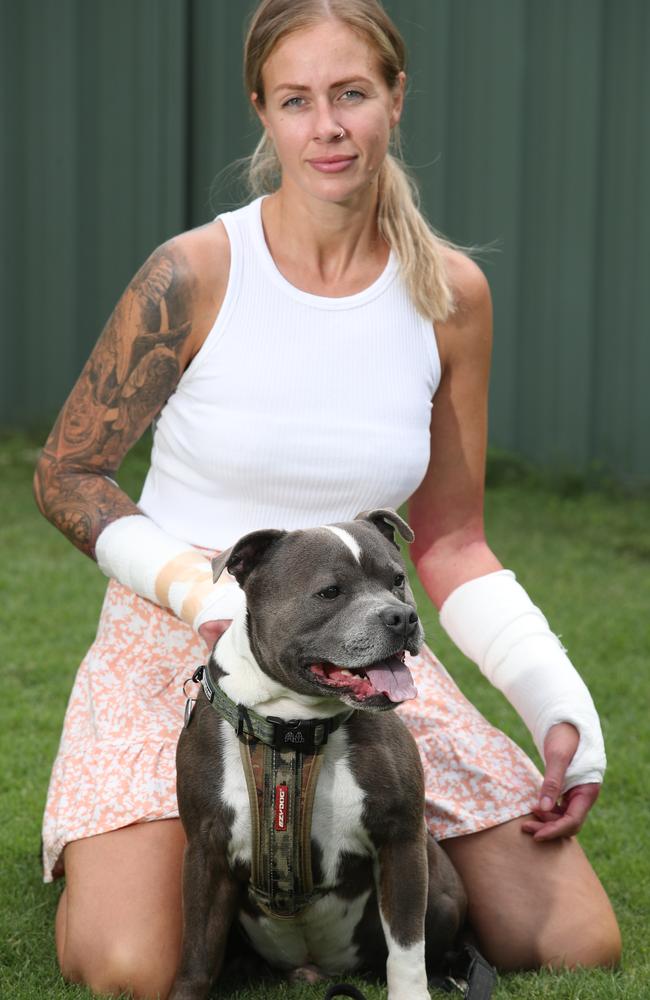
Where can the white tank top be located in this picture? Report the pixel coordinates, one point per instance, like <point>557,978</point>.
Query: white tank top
<point>298,410</point>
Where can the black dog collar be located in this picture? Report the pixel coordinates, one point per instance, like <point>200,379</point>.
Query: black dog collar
<point>302,735</point>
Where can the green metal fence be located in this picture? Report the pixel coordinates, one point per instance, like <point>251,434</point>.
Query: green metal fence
<point>528,127</point>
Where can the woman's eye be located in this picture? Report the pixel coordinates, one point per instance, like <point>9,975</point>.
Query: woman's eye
<point>293,102</point>
<point>329,593</point>
<point>399,580</point>
<point>352,95</point>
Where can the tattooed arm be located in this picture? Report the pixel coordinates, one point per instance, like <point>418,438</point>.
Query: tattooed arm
<point>159,323</point>
<point>131,372</point>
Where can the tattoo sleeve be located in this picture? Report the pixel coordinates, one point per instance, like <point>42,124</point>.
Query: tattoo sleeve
<point>133,369</point>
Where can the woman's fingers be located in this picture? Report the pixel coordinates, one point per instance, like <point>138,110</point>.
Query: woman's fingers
<point>560,746</point>
<point>567,817</point>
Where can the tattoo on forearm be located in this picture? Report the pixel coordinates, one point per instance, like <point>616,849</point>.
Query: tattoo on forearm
<point>132,371</point>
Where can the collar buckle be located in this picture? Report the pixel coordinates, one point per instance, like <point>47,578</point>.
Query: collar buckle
<point>303,735</point>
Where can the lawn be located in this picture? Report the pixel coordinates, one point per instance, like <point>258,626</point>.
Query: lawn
<point>584,556</point>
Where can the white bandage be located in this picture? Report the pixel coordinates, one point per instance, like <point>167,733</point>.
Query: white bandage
<point>171,573</point>
<point>493,621</point>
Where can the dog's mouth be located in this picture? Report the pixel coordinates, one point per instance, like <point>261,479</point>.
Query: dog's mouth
<point>390,677</point>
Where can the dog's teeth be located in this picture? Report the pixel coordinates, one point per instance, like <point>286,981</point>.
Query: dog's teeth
<point>345,671</point>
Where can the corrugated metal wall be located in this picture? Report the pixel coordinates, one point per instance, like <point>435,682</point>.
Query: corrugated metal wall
<point>528,126</point>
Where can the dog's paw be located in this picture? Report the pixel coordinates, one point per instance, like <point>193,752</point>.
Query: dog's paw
<point>309,974</point>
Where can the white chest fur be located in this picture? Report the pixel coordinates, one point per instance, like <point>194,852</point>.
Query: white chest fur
<point>321,934</point>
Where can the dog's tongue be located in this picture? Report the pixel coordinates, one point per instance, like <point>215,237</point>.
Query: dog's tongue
<point>392,678</point>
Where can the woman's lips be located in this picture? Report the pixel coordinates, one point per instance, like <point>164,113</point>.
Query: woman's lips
<point>332,164</point>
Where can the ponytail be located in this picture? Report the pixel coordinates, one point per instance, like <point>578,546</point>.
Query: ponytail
<point>418,248</point>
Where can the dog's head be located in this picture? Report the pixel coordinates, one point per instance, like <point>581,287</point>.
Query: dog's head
<point>329,610</point>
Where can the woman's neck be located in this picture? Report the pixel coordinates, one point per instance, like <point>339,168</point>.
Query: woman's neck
<point>327,244</point>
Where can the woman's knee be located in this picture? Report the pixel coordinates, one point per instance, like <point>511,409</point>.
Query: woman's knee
<point>121,966</point>
<point>119,924</point>
<point>590,943</point>
<point>535,905</point>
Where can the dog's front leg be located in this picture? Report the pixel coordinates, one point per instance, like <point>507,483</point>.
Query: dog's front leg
<point>210,898</point>
<point>402,885</point>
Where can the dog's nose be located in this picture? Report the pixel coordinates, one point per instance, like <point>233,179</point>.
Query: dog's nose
<point>401,620</point>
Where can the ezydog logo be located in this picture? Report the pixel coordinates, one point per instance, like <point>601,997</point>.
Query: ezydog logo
<point>281,806</point>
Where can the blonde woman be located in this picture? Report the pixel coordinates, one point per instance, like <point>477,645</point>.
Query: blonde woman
<point>290,353</point>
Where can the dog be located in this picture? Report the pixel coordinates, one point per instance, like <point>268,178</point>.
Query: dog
<point>314,663</point>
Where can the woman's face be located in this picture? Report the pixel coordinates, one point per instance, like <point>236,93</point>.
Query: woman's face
<point>320,82</point>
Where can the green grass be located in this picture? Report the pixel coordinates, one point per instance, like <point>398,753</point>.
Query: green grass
<point>584,555</point>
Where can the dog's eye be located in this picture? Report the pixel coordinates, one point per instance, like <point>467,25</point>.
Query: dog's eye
<point>399,580</point>
<point>329,593</point>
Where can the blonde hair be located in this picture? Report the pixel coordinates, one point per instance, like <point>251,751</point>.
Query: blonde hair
<point>418,248</point>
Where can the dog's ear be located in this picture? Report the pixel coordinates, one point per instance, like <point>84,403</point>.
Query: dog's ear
<point>245,554</point>
<point>219,563</point>
<point>387,521</point>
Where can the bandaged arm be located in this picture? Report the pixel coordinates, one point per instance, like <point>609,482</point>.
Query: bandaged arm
<point>165,570</point>
<point>493,621</point>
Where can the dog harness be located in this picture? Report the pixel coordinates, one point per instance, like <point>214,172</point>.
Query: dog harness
<point>281,762</point>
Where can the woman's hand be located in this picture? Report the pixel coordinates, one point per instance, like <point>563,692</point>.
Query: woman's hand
<point>558,815</point>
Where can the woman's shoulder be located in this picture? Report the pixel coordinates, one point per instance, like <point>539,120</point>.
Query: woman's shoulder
<point>201,261</point>
<point>470,288</point>
<point>467,332</point>
<point>202,256</point>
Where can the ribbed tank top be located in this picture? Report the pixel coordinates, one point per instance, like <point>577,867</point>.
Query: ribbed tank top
<point>298,410</point>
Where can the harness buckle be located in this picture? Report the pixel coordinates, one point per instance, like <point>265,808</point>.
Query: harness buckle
<point>242,719</point>
<point>303,735</point>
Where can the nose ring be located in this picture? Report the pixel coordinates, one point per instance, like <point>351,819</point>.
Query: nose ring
<point>340,134</point>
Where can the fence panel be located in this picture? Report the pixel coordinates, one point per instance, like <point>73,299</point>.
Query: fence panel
<point>526,126</point>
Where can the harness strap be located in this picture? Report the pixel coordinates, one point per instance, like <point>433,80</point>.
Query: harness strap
<point>281,789</point>
<point>478,974</point>
<point>344,990</point>
<point>468,975</point>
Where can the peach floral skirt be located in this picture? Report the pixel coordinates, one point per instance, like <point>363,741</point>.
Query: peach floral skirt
<point>116,760</point>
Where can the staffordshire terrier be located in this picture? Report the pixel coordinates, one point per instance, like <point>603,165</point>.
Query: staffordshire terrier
<point>319,851</point>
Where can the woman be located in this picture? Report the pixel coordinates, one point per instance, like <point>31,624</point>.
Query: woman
<point>287,352</point>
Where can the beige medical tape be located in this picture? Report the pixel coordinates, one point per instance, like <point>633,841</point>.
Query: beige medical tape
<point>196,598</point>
<point>188,567</point>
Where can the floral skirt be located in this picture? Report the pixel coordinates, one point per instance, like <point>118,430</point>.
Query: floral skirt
<point>116,759</point>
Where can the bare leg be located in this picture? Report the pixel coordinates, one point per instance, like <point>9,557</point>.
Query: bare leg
<point>119,923</point>
<point>534,904</point>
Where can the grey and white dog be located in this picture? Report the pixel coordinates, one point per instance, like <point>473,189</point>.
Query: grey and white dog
<point>328,617</point>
